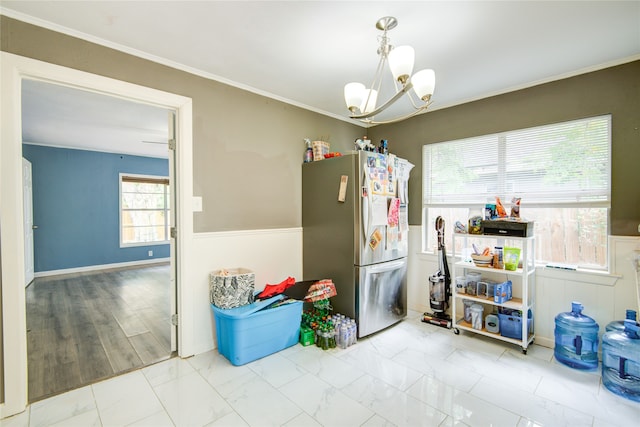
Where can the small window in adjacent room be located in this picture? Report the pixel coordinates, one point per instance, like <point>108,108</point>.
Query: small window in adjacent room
<point>560,171</point>
<point>144,210</point>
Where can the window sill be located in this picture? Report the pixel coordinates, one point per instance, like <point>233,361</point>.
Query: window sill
<point>135,245</point>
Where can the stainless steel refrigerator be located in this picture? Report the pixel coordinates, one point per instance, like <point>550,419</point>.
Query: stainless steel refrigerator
<point>355,232</point>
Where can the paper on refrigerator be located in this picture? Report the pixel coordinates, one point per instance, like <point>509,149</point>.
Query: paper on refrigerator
<point>378,210</point>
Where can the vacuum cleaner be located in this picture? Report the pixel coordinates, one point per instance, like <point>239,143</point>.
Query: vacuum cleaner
<point>439,285</point>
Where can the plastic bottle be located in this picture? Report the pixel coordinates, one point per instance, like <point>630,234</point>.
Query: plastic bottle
<point>384,147</point>
<point>332,338</point>
<point>344,336</point>
<point>339,335</point>
<point>326,335</point>
<point>621,361</point>
<point>576,339</point>
<point>354,332</point>
<point>618,325</point>
<point>498,261</point>
<point>308,153</point>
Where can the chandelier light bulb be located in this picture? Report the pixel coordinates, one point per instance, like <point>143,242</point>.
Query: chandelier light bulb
<point>401,61</point>
<point>424,81</point>
<point>354,94</point>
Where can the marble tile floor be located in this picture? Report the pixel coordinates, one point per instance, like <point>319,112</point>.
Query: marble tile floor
<point>412,374</point>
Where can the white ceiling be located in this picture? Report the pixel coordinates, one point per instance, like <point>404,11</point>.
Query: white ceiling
<point>66,117</point>
<point>303,52</point>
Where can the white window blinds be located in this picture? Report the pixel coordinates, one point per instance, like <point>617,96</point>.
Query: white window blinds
<point>560,164</point>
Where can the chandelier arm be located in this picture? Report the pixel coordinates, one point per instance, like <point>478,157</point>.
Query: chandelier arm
<point>410,95</point>
<point>386,105</point>
<point>378,76</point>
<point>413,101</point>
<point>397,119</point>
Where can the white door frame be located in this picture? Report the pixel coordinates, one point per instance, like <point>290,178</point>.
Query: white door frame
<point>13,70</point>
<point>27,199</point>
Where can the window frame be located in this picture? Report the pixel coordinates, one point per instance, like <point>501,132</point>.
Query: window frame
<point>160,179</point>
<point>501,138</point>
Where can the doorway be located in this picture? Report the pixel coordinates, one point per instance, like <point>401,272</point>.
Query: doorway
<point>14,70</point>
<point>100,304</point>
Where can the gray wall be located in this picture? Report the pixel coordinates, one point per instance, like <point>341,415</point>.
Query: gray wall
<point>247,149</point>
<point>241,138</point>
<point>614,91</point>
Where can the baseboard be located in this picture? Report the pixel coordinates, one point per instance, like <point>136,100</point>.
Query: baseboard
<point>100,267</point>
<point>545,342</point>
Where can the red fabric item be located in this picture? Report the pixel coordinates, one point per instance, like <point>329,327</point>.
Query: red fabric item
<point>271,290</point>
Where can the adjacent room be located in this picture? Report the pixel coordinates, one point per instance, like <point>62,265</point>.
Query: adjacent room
<point>319,213</point>
<point>98,283</point>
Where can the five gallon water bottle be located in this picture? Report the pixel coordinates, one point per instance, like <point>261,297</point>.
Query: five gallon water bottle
<point>618,325</point>
<point>576,337</point>
<point>621,361</point>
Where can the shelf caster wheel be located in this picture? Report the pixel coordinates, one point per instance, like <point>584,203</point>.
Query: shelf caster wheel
<point>524,351</point>
<point>456,331</point>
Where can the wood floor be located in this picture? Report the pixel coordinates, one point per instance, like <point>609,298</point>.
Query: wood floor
<point>85,327</point>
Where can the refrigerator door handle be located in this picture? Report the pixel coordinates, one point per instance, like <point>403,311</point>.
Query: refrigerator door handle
<point>366,215</point>
<point>387,266</point>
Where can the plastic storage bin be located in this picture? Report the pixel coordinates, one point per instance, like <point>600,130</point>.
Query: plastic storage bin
<point>472,282</point>
<point>491,289</point>
<point>511,324</point>
<point>253,331</point>
<point>477,317</point>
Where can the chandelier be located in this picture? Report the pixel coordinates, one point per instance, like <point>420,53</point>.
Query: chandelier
<point>361,101</point>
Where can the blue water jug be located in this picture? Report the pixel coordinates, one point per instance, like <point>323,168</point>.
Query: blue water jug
<point>621,361</point>
<point>576,337</point>
<point>618,325</point>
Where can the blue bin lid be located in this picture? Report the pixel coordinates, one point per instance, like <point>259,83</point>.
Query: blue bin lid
<point>246,310</point>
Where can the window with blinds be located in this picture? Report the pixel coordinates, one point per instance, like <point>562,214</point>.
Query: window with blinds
<point>144,210</point>
<point>561,172</point>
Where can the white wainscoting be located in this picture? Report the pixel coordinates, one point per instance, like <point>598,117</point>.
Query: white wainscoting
<point>604,296</point>
<point>276,254</point>
<point>273,255</point>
